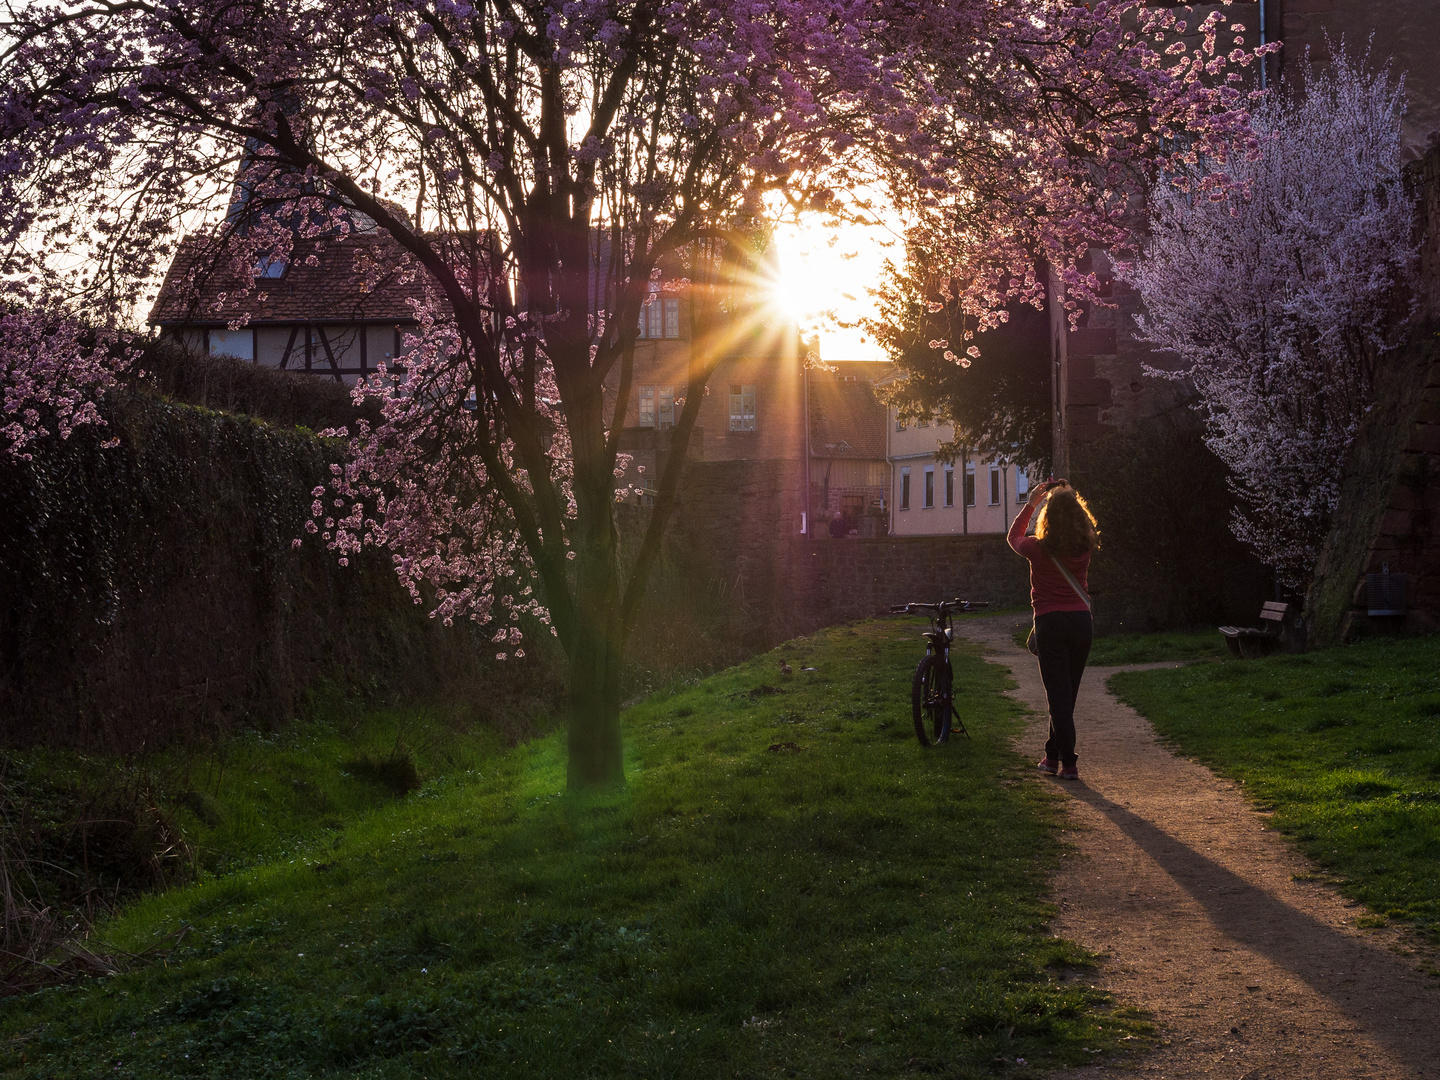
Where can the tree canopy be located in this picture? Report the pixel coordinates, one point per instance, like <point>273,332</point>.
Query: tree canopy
<point>549,156</point>
<point>999,400</point>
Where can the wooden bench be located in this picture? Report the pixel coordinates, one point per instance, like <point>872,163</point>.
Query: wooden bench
<point>1250,642</point>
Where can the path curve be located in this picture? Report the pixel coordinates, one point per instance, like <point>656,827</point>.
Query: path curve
<point>1190,897</point>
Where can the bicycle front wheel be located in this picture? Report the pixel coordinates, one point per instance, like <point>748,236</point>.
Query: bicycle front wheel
<point>930,700</point>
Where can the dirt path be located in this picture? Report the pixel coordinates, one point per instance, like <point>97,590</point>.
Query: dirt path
<point>1190,896</point>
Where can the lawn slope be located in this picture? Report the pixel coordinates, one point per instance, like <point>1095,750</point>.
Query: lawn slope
<point>789,885</point>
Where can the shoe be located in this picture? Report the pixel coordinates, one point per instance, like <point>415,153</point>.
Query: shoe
<point>1069,772</point>
<point>1047,766</point>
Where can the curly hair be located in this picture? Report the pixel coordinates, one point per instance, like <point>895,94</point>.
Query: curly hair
<point>1066,527</point>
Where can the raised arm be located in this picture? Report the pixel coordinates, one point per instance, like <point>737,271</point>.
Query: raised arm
<point>1017,538</point>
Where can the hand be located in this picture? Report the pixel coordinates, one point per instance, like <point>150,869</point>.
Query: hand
<point>1044,488</point>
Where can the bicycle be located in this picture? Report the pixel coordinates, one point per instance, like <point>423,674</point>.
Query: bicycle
<point>932,703</point>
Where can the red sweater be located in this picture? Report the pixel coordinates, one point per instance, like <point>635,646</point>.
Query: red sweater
<point>1049,591</point>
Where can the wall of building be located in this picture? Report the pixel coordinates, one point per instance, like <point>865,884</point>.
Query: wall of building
<point>853,488</point>
<point>356,349</point>
<point>1402,32</point>
<point>765,364</point>
<point>993,503</point>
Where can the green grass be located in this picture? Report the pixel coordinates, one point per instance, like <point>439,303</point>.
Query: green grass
<point>789,884</point>
<point>1342,743</point>
<point>258,796</point>
<point>1202,644</point>
<point>1116,649</point>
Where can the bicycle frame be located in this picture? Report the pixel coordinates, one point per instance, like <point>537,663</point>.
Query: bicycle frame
<point>932,701</point>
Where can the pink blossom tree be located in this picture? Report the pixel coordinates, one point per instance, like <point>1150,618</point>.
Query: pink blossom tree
<point>1282,300</point>
<point>53,372</point>
<point>552,156</point>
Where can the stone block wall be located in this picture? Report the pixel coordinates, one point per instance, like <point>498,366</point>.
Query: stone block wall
<point>1390,498</point>
<point>1403,539</point>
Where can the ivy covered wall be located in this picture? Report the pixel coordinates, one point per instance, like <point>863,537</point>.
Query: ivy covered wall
<point>150,591</point>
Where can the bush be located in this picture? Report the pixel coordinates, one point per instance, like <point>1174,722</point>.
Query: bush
<point>285,398</point>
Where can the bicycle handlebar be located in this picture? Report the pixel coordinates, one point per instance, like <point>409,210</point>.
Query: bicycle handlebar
<point>899,609</point>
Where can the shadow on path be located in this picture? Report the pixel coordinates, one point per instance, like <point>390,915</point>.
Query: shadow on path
<point>1372,988</point>
<point>1252,971</point>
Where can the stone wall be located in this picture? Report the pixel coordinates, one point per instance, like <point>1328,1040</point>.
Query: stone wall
<point>1401,33</point>
<point>838,580</point>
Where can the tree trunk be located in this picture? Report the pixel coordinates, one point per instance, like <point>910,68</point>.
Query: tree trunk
<point>597,642</point>
<point>596,756</point>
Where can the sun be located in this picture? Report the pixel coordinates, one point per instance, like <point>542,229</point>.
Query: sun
<point>796,288</point>
<point>823,278</point>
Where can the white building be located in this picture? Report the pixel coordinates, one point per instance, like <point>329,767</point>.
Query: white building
<point>979,492</point>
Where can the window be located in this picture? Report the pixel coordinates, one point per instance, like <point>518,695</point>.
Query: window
<point>667,408</point>
<point>905,489</point>
<point>269,267</point>
<point>647,406</point>
<point>994,486</point>
<point>949,486</point>
<point>929,486</point>
<point>899,425</point>
<point>660,318</point>
<point>969,483</point>
<point>742,407</point>
<point>237,343</point>
<point>924,423</point>
<point>1022,484</point>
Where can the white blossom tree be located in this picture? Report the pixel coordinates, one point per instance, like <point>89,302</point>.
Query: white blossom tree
<point>1283,298</point>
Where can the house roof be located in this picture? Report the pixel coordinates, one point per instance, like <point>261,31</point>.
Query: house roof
<point>364,277</point>
<point>846,418</point>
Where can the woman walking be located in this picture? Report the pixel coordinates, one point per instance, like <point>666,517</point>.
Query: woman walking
<point>1059,555</point>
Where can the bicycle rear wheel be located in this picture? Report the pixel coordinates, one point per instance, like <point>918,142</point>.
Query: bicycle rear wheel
<point>930,700</point>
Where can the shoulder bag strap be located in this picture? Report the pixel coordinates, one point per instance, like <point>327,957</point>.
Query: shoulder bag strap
<point>1071,579</point>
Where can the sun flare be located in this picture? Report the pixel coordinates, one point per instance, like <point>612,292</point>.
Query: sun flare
<point>823,280</point>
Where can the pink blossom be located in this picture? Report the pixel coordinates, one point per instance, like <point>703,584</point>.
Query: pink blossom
<point>1016,129</point>
<point>52,373</point>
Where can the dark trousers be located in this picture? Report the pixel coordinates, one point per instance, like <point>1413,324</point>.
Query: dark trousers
<point>1063,640</point>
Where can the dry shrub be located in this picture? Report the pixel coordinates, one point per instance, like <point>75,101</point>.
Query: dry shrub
<point>72,847</point>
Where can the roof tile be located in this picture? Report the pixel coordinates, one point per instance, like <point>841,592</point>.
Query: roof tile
<point>365,277</point>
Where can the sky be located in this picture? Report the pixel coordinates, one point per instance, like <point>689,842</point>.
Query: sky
<point>825,279</point>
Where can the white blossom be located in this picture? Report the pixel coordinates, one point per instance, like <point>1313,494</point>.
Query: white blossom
<point>1282,299</point>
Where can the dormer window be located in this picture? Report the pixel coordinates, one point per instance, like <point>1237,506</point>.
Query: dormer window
<point>270,267</point>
